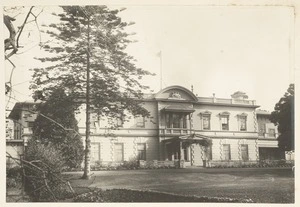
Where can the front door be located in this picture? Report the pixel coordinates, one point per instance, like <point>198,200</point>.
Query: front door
<point>172,151</point>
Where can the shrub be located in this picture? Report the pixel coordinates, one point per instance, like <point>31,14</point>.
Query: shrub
<point>132,164</point>
<point>13,177</point>
<point>43,168</point>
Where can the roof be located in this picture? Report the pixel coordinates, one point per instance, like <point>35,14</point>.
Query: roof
<point>195,138</point>
<point>263,112</point>
<point>19,106</point>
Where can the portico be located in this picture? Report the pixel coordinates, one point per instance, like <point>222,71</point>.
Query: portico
<point>179,148</point>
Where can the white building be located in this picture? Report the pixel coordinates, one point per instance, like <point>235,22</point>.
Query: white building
<point>200,131</point>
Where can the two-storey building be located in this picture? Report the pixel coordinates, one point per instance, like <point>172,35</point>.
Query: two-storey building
<point>182,126</point>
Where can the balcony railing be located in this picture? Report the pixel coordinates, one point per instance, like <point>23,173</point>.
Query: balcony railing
<point>175,131</point>
<point>267,135</point>
<point>226,101</point>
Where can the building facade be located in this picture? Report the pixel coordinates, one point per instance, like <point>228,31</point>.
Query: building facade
<point>199,131</point>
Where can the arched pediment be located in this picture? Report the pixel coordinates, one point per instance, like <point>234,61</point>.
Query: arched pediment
<point>205,113</point>
<point>176,93</point>
<point>224,113</point>
<point>242,114</point>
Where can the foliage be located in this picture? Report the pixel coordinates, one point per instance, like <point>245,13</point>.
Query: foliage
<point>260,164</point>
<point>43,168</point>
<point>283,116</point>
<point>13,176</point>
<point>88,59</point>
<point>98,33</point>
<point>62,132</point>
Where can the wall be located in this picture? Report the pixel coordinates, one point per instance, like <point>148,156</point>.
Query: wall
<point>15,149</point>
<point>99,124</point>
<point>129,147</point>
<point>215,123</point>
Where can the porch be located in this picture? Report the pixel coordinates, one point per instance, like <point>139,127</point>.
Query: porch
<point>188,150</point>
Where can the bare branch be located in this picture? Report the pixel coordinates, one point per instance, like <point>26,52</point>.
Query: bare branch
<point>23,25</point>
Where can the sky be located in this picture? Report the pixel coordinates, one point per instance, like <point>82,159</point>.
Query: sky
<point>217,49</point>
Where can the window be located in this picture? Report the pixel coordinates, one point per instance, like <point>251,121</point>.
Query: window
<point>186,153</point>
<point>243,123</point>
<point>119,121</point>
<point>206,122</point>
<point>226,152</point>
<point>30,124</point>
<point>118,152</point>
<point>271,132</point>
<point>225,122</point>
<point>95,152</point>
<point>141,151</point>
<point>140,121</point>
<point>176,120</point>
<point>208,152</point>
<point>244,149</point>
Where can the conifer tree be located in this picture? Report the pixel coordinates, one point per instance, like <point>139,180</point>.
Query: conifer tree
<point>91,38</point>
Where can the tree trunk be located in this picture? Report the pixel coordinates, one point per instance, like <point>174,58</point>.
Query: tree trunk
<point>87,160</point>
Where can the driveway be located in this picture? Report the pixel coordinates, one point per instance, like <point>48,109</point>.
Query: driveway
<point>262,185</point>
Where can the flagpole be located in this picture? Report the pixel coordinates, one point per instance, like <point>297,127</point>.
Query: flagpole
<point>160,56</point>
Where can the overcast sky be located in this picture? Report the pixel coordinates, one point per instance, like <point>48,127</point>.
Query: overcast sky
<point>216,49</point>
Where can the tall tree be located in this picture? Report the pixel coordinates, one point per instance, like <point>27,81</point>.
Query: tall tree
<point>283,116</point>
<point>92,38</point>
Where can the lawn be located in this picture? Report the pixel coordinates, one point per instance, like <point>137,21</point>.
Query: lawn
<point>262,185</point>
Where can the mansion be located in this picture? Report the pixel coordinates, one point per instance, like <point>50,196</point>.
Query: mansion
<point>199,131</point>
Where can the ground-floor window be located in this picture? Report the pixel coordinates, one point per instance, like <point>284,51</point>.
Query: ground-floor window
<point>226,152</point>
<point>95,152</point>
<point>208,152</point>
<point>186,153</point>
<point>244,149</point>
<point>141,147</point>
<point>118,152</point>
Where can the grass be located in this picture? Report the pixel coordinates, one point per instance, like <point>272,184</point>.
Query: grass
<point>262,185</point>
<point>126,195</point>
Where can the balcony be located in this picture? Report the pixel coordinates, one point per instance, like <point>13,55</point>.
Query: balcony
<point>267,135</point>
<point>177,131</point>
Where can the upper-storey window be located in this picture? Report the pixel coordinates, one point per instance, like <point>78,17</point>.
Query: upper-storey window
<point>225,122</point>
<point>242,118</point>
<point>224,117</point>
<point>176,120</point>
<point>206,122</point>
<point>119,121</point>
<point>271,132</point>
<point>205,118</point>
<point>140,121</point>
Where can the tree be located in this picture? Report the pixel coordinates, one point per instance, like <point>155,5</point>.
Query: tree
<point>89,60</point>
<point>283,117</point>
<point>62,130</point>
<point>12,43</point>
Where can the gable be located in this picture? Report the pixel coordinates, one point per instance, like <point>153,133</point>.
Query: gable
<point>176,93</point>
